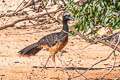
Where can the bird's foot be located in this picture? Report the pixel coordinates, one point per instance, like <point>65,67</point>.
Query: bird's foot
<point>44,67</point>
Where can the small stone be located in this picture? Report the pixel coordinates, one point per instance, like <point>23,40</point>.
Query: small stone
<point>16,62</point>
<point>34,66</point>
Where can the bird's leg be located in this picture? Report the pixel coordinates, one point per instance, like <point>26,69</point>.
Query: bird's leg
<point>47,61</point>
<point>53,59</point>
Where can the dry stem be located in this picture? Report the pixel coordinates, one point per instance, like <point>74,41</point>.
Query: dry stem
<point>113,51</point>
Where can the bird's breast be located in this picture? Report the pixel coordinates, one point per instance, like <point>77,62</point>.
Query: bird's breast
<point>58,46</point>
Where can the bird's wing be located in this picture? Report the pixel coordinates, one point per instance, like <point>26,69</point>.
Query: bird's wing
<point>52,39</point>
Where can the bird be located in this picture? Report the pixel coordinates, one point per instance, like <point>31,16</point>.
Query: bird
<point>53,42</point>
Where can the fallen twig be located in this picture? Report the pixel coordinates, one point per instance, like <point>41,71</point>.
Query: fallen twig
<point>114,57</point>
<point>19,5</point>
<point>29,3</point>
<point>14,13</point>
<point>28,18</point>
<point>48,13</point>
<point>99,62</point>
<point>107,37</point>
<point>111,68</point>
<point>101,40</point>
<point>68,75</point>
<point>79,72</point>
<point>78,33</point>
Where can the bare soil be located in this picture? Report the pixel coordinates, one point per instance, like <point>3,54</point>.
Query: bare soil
<point>72,60</point>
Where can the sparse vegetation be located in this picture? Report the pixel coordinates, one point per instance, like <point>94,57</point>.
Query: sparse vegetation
<point>91,13</point>
<point>26,21</point>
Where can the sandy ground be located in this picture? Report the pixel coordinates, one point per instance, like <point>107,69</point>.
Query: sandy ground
<point>72,60</point>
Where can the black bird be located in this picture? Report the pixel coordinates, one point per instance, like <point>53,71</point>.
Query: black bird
<point>52,42</point>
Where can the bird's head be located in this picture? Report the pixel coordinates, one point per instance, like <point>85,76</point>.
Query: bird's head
<point>67,16</point>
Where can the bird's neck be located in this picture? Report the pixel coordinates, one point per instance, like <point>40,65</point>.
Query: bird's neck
<point>65,26</point>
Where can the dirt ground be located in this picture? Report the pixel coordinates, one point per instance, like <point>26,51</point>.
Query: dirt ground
<point>71,61</point>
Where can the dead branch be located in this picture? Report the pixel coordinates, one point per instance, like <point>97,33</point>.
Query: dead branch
<point>101,40</point>
<point>66,72</point>
<point>19,5</point>
<point>29,3</point>
<point>114,57</point>
<point>16,10</point>
<point>48,13</point>
<point>79,72</point>
<point>78,33</point>
<point>101,61</point>
<point>92,66</point>
<point>13,14</point>
<point>111,68</point>
<point>107,37</point>
<point>12,24</point>
<point>112,46</point>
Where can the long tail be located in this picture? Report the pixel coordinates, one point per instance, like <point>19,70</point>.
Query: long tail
<point>30,50</point>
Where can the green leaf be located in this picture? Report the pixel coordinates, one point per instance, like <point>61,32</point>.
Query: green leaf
<point>54,1</point>
<point>106,20</point>
<point>68,4</point>
<point>72,33</point>
<point>116,14</point>
<point>86,6</point>
<point>99,8</point>
<point>116,22</point>
<point>46,1</point>
<point>85,28</point>
<point>95,12</point>
<point>91,25</point>
<point>114,1</point>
